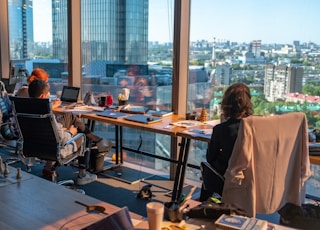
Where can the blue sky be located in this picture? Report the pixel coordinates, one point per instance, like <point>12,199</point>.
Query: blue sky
<point>272,21</point>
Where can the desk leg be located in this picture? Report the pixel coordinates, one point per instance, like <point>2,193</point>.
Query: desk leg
<point>117,143</point>
<point>121,144</point>
<point>181,169</point>
<point>118,138</point>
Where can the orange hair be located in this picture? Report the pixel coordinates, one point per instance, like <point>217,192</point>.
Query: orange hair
<point>39,74</point>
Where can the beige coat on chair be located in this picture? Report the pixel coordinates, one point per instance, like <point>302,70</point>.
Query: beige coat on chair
<point>269,164</point>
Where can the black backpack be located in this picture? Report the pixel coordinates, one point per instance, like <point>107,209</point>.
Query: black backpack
<point>306,216</point>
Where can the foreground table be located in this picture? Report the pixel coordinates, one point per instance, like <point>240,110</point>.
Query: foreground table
<point>35,203</point>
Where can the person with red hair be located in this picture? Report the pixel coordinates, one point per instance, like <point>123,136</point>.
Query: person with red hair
<point>37,73</point>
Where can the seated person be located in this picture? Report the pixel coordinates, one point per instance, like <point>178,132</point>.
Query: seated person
<point>66,119</point>
<point>236,104</point>
<point>68,126</point>
<point>37,73</point>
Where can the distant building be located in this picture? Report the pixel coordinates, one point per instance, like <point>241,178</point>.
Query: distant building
<point>222,74</point>
<point>296,45</point>
<point>298,97</point>
<point>256,48</point>
<point>21,29</point>
<point>281,80</point>
<point>254,55</point>
<point>117,34</point>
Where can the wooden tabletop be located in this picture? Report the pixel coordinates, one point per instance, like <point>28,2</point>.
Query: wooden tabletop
<point>315,160</point>
<point>35,203</point>
<point>163,127</point>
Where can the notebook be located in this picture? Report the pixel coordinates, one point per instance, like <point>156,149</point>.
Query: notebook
<point>118,220</point>
<point>111,114</point>
<point>69,96</point>
<point>160,113</point>
<point>143,118</point>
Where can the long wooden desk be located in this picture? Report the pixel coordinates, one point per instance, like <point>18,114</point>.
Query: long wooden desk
<point>161,127</point>
<point>35,203</point>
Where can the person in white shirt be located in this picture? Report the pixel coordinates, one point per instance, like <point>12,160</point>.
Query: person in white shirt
<point>67,127</point>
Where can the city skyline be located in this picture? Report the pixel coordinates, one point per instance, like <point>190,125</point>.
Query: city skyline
<point>240,21</point>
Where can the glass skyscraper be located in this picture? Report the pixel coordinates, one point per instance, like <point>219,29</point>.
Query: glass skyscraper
<point>112,31</point>
<point>20,29</point>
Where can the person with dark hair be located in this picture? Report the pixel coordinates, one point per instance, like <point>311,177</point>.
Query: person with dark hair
<point>68,126</point>
<point>236,104</point>
<point>66,119</point>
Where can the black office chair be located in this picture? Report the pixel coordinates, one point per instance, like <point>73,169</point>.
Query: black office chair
<point>38,135</point>
<point>212,182</point>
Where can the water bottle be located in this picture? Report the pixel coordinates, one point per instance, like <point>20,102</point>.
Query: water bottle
<point>109,99</point>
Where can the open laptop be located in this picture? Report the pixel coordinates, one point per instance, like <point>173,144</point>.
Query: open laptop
<point>69,96</point>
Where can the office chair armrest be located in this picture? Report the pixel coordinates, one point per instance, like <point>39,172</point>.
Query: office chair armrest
<point>82,148</point>
<point>209,167</point>
<point>79,135</point>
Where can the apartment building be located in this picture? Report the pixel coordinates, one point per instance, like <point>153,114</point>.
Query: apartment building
<point>281,80</point>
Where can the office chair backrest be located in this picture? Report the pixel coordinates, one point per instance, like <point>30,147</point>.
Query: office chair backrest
<point>35,122</point>
<point>31,105</point>
<point>212,180</point>
<point>269,163</point>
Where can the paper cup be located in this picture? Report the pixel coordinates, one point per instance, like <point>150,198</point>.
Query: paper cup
<point>155,212</point>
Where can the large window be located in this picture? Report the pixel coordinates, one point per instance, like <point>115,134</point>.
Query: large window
<point>272,46</point>
<point>35,43</point>
<point>128,44</point>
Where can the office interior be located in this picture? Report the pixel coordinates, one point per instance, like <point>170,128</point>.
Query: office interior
<point>102,66</point>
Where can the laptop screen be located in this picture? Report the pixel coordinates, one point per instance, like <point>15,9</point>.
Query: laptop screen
<point>70,94</point>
